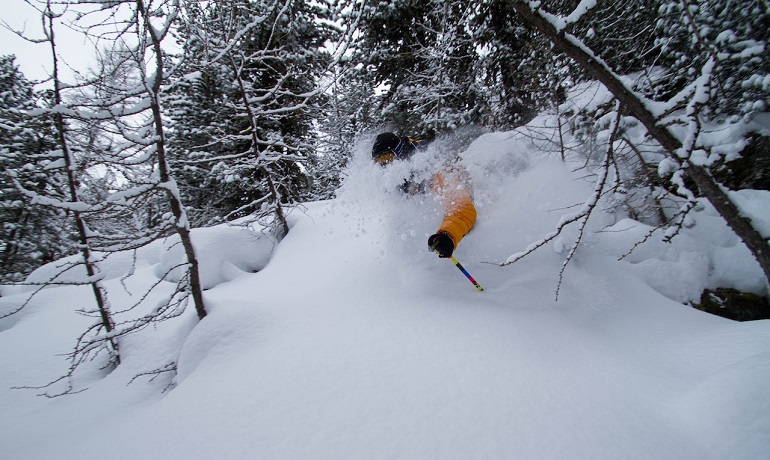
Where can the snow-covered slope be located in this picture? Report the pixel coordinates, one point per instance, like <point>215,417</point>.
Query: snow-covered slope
<point>354,341</point>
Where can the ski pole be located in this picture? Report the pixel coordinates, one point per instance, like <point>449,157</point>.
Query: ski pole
<point>465,272</point>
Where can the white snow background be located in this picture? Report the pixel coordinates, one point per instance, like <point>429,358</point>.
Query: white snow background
<point>350,340</point>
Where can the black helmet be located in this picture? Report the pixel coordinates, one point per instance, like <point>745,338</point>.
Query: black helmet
<point>388,142</point>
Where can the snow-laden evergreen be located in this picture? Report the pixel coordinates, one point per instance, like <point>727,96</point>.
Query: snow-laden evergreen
<point>349,339</point>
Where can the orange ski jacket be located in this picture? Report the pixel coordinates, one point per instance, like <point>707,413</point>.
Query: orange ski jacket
<point>453,187</point>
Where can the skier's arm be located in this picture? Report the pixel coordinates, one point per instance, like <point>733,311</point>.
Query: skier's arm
<point>459,211</point>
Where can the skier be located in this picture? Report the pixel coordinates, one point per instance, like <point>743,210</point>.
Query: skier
<point>452,185</point>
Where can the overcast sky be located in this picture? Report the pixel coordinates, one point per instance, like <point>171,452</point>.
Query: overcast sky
<point>34,60</point>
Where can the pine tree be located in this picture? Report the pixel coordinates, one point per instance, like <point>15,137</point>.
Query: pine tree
<point>30,235</point>
<point>443,90</point>
<point>344,116</point>
<point>419,57</point>
<point>735,37</point>
<point>521,72</point>
<point>202,130</point>
<point>257,66</point>
<point>623,33</point>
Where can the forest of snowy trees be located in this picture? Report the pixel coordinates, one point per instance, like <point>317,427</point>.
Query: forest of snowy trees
<point>198,113</point>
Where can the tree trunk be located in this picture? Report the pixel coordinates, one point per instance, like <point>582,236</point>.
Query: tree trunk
<point>279,214</point>
<point>182,224</point>
<point>708,187</point>
<point>80,224</point>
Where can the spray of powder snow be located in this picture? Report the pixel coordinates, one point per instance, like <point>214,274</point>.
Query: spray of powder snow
<point>373,200</point>
<point>376,206</point>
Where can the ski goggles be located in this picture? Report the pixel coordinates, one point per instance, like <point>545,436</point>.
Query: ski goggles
<point>385,158</point>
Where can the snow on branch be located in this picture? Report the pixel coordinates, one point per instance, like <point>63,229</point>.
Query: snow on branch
<point>256,21</point>
<point>37,199</point>
<point>562,22</point>
<point>639,107</point>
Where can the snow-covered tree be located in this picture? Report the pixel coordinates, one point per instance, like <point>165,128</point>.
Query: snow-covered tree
<point>30,235</point>
<point>338,127</point>
<point>695,129</point>
<point>346,110</point>
<point>202,126</point>
<point>257,64</point>
<point>127,107</point>
<point>514,64</point>
<point>61,195</point>
<point>419,57</point>
<point>443,89</point>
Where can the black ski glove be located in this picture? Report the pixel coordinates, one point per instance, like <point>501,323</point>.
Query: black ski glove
<point>442,244</point>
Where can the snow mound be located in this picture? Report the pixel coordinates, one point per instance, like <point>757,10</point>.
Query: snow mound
<point>224,253</point>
